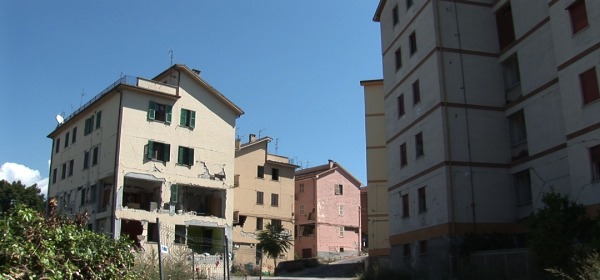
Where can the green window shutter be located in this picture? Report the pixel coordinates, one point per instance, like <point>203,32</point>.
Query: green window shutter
<point>150,150</point>
<point>167,152</point>
<point>174,193</point>
<point>192,119</point>
<point>191,155</point>
<point>91,123</point>
<point>98,119</point>
<point>168,113</point>
<point>183,117</point>
<point>180,155</point>
<point>152,110</point>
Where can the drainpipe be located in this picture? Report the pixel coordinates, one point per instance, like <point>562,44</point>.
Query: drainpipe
<point>464,88</point>
<point>116,171</point>
<point>446,128</point>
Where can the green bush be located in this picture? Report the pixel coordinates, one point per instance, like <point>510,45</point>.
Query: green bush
<point>33,247</point>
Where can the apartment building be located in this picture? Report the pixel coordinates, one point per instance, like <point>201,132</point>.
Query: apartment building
<point>264,194</point>
<point>148,150</point>
<point>488,105</point>
<point>376,155</point>
<point>327,212</point>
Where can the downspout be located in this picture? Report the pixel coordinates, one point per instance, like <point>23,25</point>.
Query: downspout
<point>316,216</point>
<point>464,88</point>
<point>446,128</point>
<point>116,171</point>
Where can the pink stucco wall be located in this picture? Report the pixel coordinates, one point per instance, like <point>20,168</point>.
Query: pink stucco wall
<point>326,240</point>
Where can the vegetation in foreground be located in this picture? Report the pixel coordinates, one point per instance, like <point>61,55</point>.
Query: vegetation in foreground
<point>35,247</point>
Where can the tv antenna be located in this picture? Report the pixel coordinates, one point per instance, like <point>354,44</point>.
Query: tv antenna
<point>171,54</point>
<point>276,145</point>
<point>81,99</point>
<point>259,132</point>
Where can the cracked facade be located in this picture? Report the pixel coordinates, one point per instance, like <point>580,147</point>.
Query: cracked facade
<point>145,149</point>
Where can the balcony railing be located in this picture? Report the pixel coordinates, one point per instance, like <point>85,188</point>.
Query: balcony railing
<point>132,81</point>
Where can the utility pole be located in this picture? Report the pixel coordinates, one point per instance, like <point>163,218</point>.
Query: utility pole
<point>160,270</point>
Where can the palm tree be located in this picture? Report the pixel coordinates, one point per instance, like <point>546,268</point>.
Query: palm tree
<point>274,241</point>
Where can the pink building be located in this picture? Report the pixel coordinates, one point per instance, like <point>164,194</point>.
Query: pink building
<point>327,212</point>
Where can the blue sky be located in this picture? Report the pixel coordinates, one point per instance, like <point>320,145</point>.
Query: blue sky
<point>294,67</point>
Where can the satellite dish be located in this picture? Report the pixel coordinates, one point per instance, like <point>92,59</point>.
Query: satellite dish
<point>60,119</point>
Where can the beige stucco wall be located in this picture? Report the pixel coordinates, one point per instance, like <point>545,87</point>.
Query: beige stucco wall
<point>248,158</point>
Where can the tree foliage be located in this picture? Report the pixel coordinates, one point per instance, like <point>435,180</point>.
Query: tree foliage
<point>33,247</point>
<point>274,241</point>
<point>562,234</point>
<point>15,193</point>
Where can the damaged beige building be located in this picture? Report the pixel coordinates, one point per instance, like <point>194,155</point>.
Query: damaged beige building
<point>144,150</point>
<point>264,194</point>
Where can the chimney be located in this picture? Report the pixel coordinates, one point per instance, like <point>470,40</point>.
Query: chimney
<point>238,143</point>
<point>196,71</point>
<point>252,138</point>
<point>331,163</point>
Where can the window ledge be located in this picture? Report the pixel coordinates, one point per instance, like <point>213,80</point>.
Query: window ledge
<point>580,31</point>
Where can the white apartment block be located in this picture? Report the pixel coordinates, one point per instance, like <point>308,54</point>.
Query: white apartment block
<point>150,148</point>
<point>488,105</point>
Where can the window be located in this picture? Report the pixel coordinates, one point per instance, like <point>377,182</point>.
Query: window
<point>510,69</point>
<point>518,132</point>
<point>95,156</point>
<point>89,125</point>
<point>82,200</point>
<point>406,252</point>
<point>67,140</point>
<point>422,200</point>
<point>158,151</point>
<point>338,189</point>
<point>260,172</point>
<point>400,102</point>
<point>578,14</point>
<point>188,118</point>
<point>74,136</point>
<point>395,15</point>
<point>589,85</point>
<point>398,58</point>
<point>98,119</point>
<point>64,171</point>
<point>274,174</point>
<point>57,145</point>
<point>260,197</point>
<point>274,199</point>
<point>405,208</point>
<point>152,232</point>
<point>595,156</point>
<point>412,43</point>
<point>54,175</point>
<point>341,210</point>
<point>409,4</point>
<point>71,165</point>
<point>341,231</point>
<point>522,183</point>
<point>403,160</point>
<point>419,149</point>
<point>416,92</point>
<point>259,223</point>
<point>518,135</point>
<point>504,26</point>
<point>174,194</point>
<point>159,112</point>
<point>423,247</point>
<point>185,156</point>
<point>276,222</point>
<point>301,188</point>
<point>86,159</point>
<point>301,209</point>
